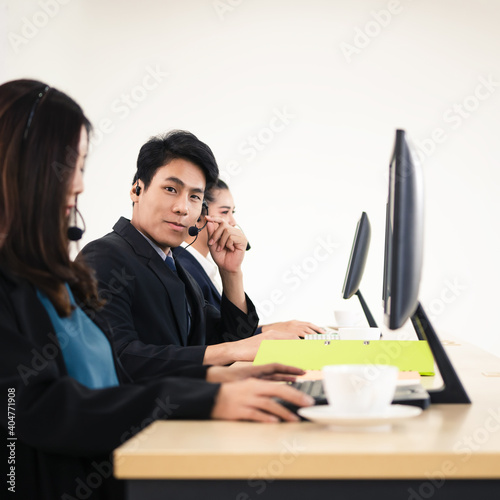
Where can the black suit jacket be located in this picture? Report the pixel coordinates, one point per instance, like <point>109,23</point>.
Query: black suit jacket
<point>66,431</point>
<point>194,268</point>
<point>146,305</point>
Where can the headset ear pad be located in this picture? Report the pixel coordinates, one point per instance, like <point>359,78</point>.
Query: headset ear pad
<point>137,189</point>
<point>204,207</point>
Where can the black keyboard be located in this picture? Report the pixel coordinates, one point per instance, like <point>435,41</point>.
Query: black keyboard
<point>414,394</point>
<point>312,387</point>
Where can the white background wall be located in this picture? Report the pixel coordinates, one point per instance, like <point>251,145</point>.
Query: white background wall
<point>345,75</point>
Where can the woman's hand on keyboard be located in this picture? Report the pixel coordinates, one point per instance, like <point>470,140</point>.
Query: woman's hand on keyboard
<point>271,371</point>
<point>299,328</point>
<point>253,399</point>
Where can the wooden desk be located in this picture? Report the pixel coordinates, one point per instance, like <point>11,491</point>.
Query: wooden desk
<point>449,451</point>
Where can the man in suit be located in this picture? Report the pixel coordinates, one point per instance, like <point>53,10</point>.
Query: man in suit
<point>155,309</point>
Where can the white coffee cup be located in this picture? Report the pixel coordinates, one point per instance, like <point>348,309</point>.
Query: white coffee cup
<point>359,389</point>
<point>358,333</point>
<point>347,317</point>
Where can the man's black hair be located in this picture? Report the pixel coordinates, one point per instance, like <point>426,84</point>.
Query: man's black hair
<point>176,144</point>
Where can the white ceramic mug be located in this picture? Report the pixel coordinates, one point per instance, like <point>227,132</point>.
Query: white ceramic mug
<point>359,333</point>
<point>347,317</point>
<point>359,389</point>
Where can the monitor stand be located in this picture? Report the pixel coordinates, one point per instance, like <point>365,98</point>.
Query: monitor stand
<point>452,391</point>
<point>366,310</point>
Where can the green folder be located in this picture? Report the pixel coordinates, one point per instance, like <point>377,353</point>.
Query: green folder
<point>407,355</point>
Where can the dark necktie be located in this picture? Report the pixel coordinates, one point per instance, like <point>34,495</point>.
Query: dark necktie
<point>171,264</point>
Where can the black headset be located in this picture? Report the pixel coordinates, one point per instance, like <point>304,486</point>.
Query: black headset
<point>193,230</point>
<point>74,232</point>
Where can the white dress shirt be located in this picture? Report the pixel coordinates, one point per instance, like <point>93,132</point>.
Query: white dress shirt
<point>208,265</point>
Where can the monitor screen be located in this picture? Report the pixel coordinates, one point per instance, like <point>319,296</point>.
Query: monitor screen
<point>356,266</point>
<point>403,265</point>
<point>403,236</point>
<point>357,259</point>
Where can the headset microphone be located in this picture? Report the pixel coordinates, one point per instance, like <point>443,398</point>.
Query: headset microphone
<point>193,230</point>
<point>74,232</point>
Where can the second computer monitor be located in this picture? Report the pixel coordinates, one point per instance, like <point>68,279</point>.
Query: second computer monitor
<point>356,265</point>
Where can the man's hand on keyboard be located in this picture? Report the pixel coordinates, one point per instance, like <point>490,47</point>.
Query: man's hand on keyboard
<point>272,371</point>
<point>252,399</point>
<point>246,349</point>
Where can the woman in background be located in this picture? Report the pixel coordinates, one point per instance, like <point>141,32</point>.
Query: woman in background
<point>69,403</point>
<point>194,256</point>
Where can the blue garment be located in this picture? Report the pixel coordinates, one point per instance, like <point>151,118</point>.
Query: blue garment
<point>195,269</point>
<point>85,349</point>
<point>169,260</point>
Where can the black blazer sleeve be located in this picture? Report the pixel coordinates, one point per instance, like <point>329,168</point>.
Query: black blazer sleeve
<point>195,269</point>
<point>56,413</point>
<point>226,324</point>
<point>63,428</point>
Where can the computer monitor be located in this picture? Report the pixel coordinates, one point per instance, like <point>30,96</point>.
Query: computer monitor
<point>356,265</point>
<point>403,264</point>
<point>404,236</point>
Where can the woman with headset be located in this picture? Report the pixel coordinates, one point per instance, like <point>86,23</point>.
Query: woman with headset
<point>69,401</point>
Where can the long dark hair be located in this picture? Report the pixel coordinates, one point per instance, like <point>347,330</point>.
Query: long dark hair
<point>40,130</point>
<point>210,192</point>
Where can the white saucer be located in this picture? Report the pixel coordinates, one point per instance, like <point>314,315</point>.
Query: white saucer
<point>323,414</point>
